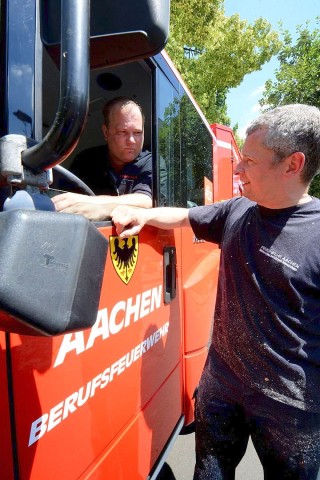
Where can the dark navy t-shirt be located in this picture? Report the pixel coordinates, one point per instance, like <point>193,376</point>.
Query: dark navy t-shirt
<point>267,316</point>
<point>92,166</point>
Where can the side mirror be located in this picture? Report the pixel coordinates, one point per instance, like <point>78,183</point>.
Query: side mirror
<point>52,268</point>
<point>119,31</point>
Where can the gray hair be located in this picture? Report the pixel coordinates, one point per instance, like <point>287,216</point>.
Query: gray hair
<point>292,128</point>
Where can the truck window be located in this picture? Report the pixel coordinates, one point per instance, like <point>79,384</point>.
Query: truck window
<point>168,108</point>
<point>196,153</point>
<point>132,80</point>
<point>181,141</point>
<point>185,143</point>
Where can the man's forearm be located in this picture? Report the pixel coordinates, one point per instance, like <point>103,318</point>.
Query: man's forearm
<point>129,221</point>
<point>134,199</point>
<point>98,207</point>
<point>167,217</point>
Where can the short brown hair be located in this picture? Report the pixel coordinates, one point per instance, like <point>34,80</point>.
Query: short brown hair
<point>118,102</point>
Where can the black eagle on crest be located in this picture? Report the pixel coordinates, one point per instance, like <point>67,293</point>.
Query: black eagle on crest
<point>124,257</point>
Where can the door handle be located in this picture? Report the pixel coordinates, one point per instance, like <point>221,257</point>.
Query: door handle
<point>169,274</point>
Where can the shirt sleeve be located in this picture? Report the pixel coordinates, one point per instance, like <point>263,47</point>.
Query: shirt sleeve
<point>207,222</point>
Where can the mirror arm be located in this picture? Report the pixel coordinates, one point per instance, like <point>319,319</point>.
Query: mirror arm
<point>72,112</point>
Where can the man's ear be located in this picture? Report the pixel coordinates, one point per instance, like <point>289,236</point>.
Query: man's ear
<point>104,131</point>
<point>295,163</point>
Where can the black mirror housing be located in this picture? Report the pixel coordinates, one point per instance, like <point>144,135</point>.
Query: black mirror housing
<point>120,32</point>
<point>51,272</point>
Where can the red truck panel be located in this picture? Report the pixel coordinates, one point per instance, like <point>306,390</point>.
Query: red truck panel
<point>88,387</point>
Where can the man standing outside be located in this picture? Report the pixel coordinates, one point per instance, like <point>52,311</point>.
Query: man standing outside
<point>262,374</point>
<point>120,173</point>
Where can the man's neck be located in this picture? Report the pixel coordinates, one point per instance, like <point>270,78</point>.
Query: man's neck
<point>116,164</point>
<point>289,201</point>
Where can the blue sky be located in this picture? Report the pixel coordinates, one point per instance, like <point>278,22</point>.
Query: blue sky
<point>242,101</point>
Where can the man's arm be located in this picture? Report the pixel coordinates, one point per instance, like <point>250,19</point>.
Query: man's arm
<point>134,199</point>
<point>129,221</point>
<point>97,208</point>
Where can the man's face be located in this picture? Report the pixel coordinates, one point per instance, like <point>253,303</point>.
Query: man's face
<point>124,135</point>
<point>262,180</point>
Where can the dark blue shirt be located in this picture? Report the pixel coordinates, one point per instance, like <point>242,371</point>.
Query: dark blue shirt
<point>93,167</point>
<point>267,317</point>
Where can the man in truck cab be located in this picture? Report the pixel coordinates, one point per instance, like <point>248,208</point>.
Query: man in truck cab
<point>262,374</point>
<point>118,172</point>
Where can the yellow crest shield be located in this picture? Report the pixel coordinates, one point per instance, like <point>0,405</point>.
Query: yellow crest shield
<point>124,255</point>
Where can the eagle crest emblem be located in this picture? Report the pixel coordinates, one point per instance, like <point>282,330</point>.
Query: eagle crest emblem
<point>124,255</point>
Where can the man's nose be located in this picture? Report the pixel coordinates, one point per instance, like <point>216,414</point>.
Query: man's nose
<point>238,168</point>
<point>131,138</point>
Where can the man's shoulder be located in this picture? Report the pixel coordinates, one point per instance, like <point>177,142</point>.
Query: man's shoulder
<point>237,204</point>
<point>315,203</point>
<point>221,211</point>
<point>144,157</point>
<point>142,163</point>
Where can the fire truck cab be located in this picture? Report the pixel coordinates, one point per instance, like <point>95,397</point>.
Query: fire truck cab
<point>99,357</point>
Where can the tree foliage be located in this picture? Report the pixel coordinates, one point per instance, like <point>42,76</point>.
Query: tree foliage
<point>214,52</point>
<point>297,80</point>
<point>315,187</point>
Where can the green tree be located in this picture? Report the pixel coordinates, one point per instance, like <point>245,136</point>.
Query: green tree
<point>297,80</point>
<point>214,52</point>
<point>315,187</point>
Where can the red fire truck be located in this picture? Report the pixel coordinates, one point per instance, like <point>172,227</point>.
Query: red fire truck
<point>99,360</point>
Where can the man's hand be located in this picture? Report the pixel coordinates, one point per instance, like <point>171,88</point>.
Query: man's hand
<point>128,220</point>
<point>93,208</point>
